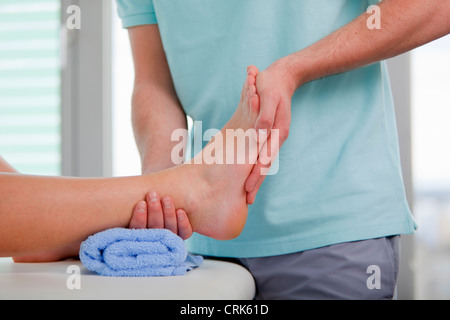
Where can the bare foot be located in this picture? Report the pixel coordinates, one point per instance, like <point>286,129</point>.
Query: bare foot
<point>217,207</point>
<point>212,194</point>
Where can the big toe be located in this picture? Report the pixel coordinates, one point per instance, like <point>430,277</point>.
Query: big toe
<point>252,70</point>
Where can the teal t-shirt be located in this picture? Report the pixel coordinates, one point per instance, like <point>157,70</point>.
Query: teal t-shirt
<point>339,177</point>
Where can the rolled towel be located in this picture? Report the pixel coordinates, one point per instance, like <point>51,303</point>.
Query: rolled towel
<point>123,252</point>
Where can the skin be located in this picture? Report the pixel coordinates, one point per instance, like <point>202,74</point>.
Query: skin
<point>154,214</point>
<point>39,214</point>
<point>143,215</point>
<point>154,100</point>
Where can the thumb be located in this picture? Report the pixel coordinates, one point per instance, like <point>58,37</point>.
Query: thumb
<point>266,117</point>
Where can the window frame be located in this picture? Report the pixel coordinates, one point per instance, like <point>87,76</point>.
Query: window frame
<point>400,78</point>
<point>86,91</point>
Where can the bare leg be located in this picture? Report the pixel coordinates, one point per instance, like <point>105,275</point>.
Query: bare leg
<point>173,220</point>
<point>44,213</point>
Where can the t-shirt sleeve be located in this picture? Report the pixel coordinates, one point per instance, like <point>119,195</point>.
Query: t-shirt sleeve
<point>136,12</point>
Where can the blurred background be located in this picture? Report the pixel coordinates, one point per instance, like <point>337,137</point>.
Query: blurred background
<point>65,110</point>
<point>430,103</point>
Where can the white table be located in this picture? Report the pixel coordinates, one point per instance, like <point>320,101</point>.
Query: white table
<point>59,280</point>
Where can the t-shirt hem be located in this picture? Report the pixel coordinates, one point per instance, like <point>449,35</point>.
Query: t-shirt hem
<point>254,250</point>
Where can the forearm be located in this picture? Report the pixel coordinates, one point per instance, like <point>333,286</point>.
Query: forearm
<point>156,114</point>
<point>156,109</point>
<point>405,25</point>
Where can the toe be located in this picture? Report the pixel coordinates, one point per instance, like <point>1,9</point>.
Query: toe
<point>252,70</point>
<point>245,88</point>
<point>254,103</point>
<point>251,91</point>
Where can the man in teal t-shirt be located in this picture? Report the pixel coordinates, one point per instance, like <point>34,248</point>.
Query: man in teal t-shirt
<point>336,203</point>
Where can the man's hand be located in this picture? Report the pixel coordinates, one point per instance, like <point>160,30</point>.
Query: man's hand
<point>156,213</point>
<point>406,24</point>
<point>275,89</point>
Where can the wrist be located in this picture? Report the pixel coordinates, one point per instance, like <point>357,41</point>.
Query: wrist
<point>293,72</point>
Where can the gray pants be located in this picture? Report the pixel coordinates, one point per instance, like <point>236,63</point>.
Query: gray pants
<point>360,270</point>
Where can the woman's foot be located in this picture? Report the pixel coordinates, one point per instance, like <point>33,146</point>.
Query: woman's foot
<point>212,194</point>
<point>217,206</point>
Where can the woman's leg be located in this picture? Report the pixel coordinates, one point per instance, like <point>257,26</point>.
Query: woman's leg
<point>43,213</point>
<point>53,255</point>
<point>165,217</point>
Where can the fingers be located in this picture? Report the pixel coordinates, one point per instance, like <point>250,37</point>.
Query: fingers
<point>267,154</point>
<point>282,122</point>
<point>254,182</point>
<point>272,128</point>
<point>274,109</point>
<point>170,218</point>
<point>253,178</point>
<point>258,174</point>
<point>139,218</point>
<point>251,196</point>
<point>156,213</point>
<point>184,227</point>
<point>267,110</point>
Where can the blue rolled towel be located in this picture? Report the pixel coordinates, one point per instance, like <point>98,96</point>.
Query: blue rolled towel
<point>123,252</point>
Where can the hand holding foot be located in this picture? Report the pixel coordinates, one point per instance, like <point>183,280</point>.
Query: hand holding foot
<point>156,213</point>
<point>275,90</point>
